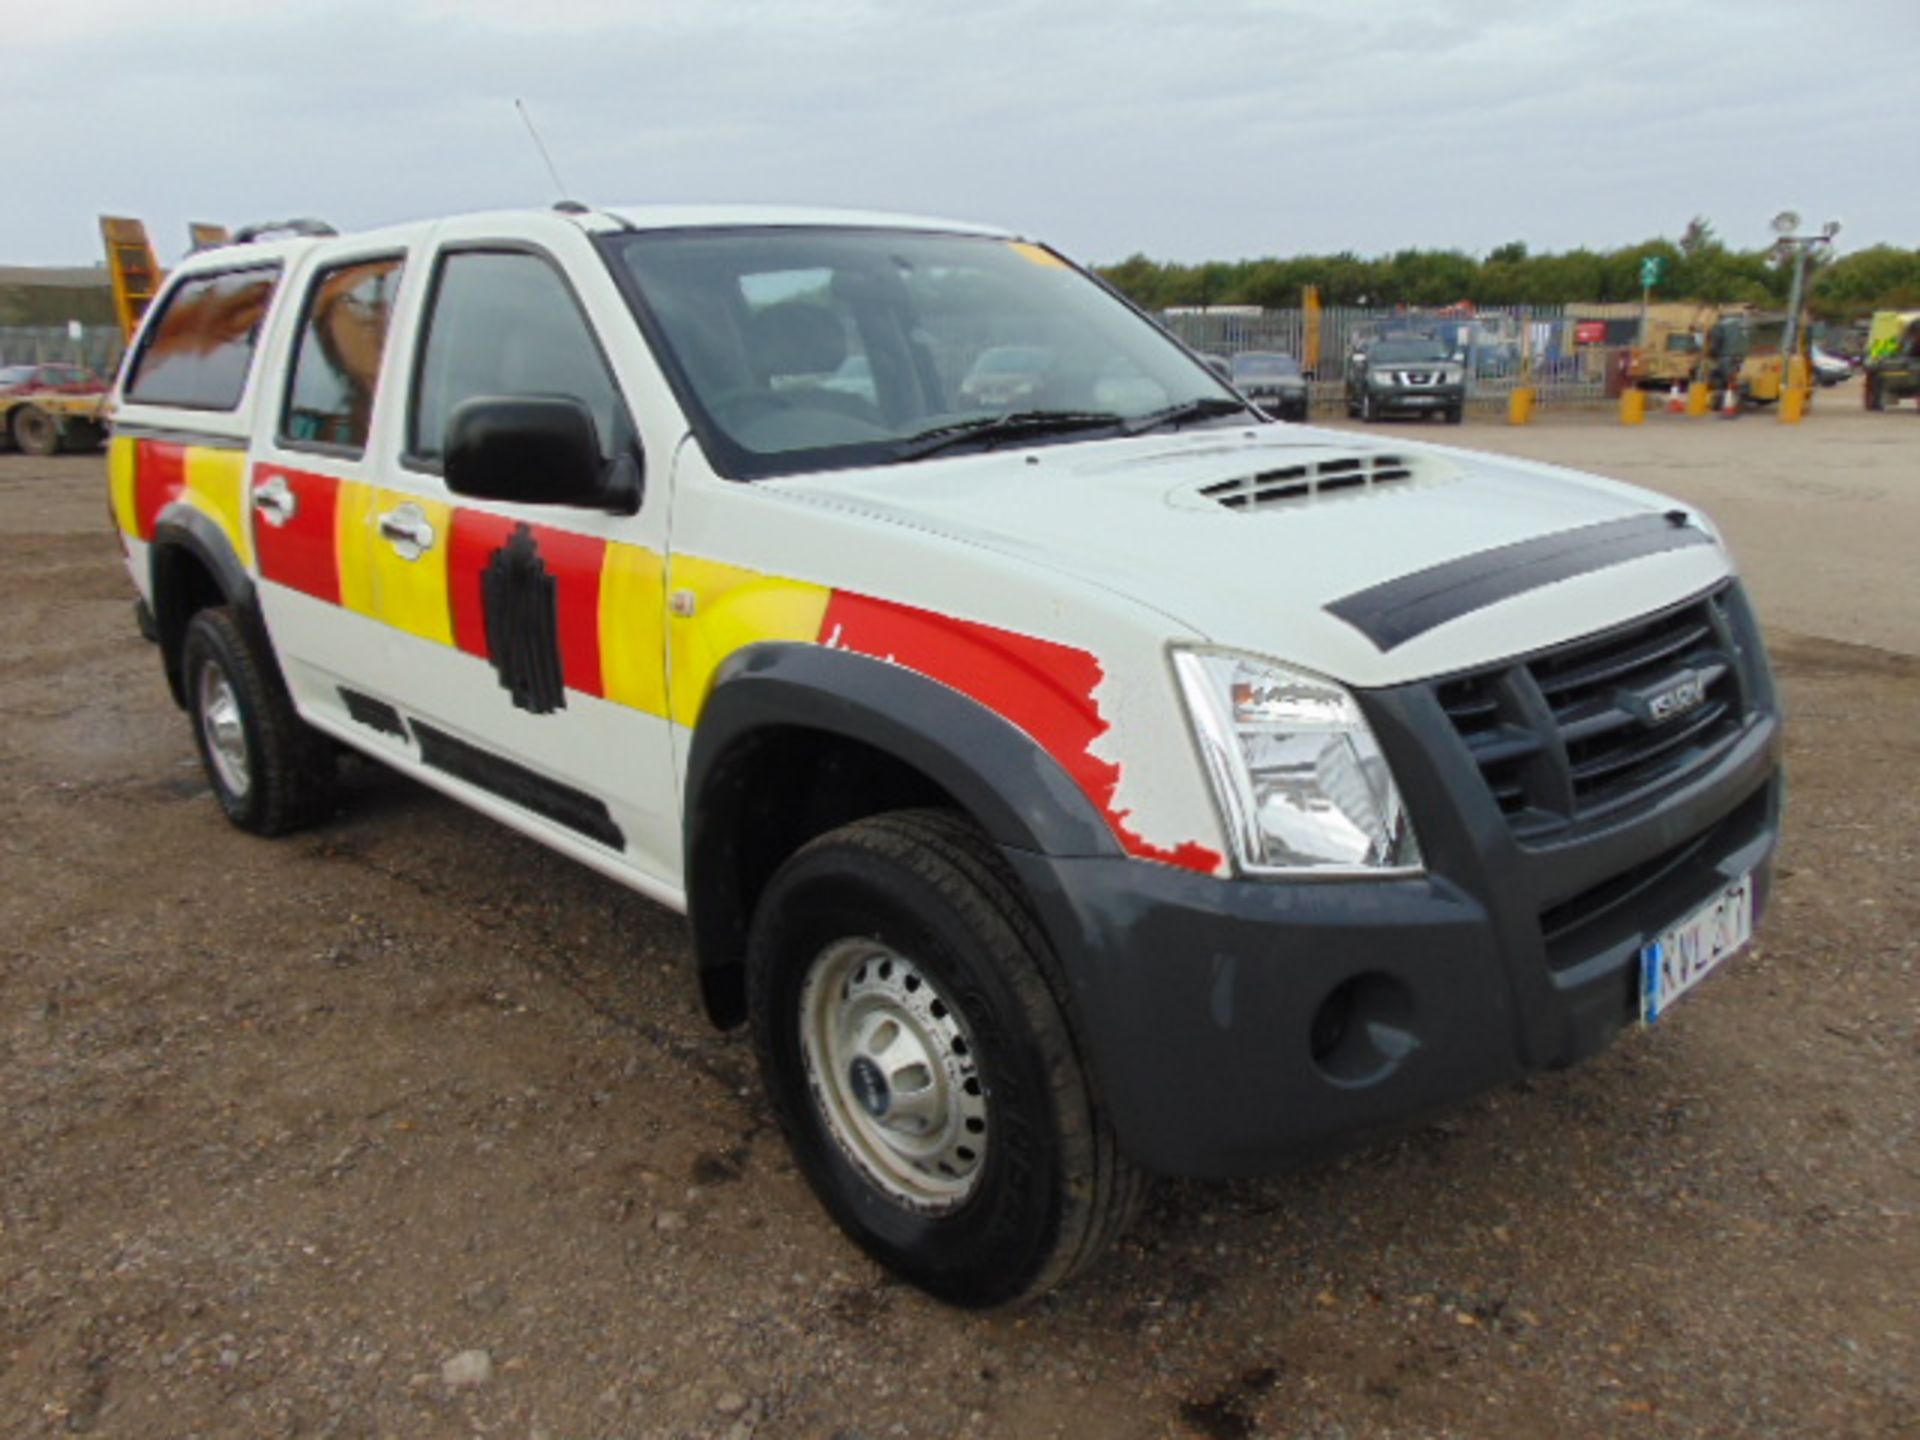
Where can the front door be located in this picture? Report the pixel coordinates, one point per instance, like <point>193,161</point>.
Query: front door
<point>524,642</point>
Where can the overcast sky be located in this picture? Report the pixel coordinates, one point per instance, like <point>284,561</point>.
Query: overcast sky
<point>1209,129</point>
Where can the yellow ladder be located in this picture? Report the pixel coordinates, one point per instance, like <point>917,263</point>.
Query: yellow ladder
<point>135,272</point>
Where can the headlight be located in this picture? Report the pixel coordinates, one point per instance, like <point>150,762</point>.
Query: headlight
<point>1382,377</point>
<point>1301,780</point>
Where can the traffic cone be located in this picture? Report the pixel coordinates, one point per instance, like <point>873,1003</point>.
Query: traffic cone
<point>1676,402</point>
<point>1730,401</point>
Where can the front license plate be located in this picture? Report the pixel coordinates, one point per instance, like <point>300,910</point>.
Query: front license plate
<point>1687,953</point>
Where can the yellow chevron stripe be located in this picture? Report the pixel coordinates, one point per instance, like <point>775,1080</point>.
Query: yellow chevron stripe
<point>632,628</point>
<point>375,580</point>
<point>732,607</point>
<point>215,485</point>
<point>121,462</point>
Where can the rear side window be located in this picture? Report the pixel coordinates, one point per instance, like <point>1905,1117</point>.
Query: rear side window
<point>336,360</point>
<point>504,324</point>
<point>196,355</point>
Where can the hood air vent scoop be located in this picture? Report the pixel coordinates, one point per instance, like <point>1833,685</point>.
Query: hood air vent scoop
<point>1290,484</point>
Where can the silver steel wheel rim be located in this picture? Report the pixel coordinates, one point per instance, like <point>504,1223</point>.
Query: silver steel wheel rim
<point>226,734</point>
<point>893,1072</point>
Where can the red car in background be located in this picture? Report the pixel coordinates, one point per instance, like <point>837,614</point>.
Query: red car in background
<point>47,407</point>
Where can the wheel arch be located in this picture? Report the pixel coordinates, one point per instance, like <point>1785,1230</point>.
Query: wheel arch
<point>191,564</point>
<point>796,740</point>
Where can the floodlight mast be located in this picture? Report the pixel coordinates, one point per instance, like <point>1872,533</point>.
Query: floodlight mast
<point>1799,247</point>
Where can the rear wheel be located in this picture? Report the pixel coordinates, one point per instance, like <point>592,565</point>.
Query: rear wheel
<point>915,1049</point>
<point>1872,395</point>
<point>269,770</point>
<point>34,431</point>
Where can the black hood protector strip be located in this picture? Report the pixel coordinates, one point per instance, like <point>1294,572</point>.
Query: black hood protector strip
<point>1398,610</point>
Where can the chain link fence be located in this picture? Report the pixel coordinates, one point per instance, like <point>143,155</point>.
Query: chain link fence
<point>1571,360</point>
<point>98,347</point>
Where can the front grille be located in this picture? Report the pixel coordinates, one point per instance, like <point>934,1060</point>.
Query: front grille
<point>1594,726</point>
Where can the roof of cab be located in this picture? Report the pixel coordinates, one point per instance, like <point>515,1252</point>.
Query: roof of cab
<point>598,220</point>
<point>681,217</point>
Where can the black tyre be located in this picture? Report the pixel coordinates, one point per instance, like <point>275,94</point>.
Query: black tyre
<point>1873,396</point>
<point>269,770</point>
<point>1456,413</point>
<point>34,431</point>
<point>913,1043</point>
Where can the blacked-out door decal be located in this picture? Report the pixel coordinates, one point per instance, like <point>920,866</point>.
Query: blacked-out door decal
<point>519,598</point>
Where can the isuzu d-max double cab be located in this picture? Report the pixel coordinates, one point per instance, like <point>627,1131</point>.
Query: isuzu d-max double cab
<point>1066,785</point>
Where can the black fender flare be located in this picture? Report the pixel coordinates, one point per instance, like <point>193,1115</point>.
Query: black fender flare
<point>182,531</point>
<point>1018,793</point>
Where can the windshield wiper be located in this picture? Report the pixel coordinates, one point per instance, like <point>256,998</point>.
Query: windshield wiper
<point>1206,408</point>
<point>991,429</point>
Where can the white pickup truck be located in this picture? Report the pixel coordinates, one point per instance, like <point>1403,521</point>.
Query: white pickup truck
<point>1069,780</point>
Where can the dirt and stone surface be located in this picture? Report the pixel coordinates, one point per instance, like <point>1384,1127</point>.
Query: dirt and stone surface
<point>405,1127</point>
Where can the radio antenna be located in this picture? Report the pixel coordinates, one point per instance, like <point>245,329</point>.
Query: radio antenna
<point>552,169</point>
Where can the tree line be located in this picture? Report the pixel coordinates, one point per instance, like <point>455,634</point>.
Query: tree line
<point>1698,267</point>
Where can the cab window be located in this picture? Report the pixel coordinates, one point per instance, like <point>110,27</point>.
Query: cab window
<point>336,362</point>
<point>198,352</point>
<point>505,324</point>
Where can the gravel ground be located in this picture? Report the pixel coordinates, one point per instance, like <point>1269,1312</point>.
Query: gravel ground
<point>405,1127</point>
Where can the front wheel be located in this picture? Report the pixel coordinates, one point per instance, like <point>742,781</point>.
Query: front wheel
<point>917,1055</point>
<point>1873,396</point>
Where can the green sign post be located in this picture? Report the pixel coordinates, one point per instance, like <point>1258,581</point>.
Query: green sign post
<point>1651,269</point>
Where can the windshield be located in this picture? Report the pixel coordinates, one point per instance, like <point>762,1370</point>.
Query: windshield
<point>1411,348</point>
<point>1255,363</point>
<point>804,349</point>
<point>15,374</point>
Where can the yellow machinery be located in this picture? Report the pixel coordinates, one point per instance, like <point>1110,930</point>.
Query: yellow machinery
<point>131,265</point>
<point>1746,346</point>
<point>1673,345</point>
<point>133,269</point>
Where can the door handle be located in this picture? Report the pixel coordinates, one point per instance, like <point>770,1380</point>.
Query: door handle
<point>408,530</point>
<point>274,501</point>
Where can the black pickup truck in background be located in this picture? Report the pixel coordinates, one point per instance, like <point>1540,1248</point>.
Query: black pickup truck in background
<point>1401,373</point>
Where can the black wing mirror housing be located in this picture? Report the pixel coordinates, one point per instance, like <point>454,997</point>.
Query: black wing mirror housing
<point>536,450</point>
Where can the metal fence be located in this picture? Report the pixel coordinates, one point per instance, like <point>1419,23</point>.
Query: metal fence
<point>1497,344</point>
<point>98,347</point>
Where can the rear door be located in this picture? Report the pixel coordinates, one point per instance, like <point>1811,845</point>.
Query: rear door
<point>524,642</point>
<point>313,464</point>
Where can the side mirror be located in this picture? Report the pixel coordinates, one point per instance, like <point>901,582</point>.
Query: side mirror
<point>536,450</point>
